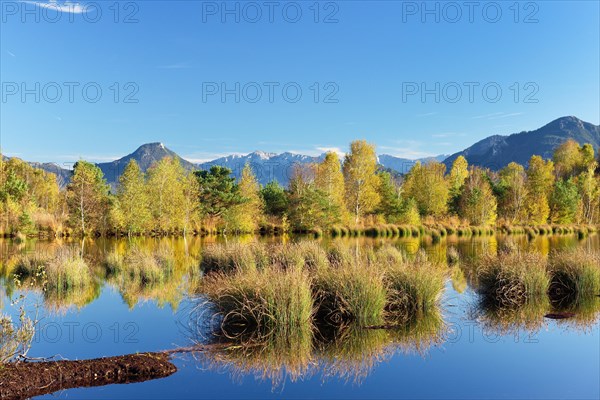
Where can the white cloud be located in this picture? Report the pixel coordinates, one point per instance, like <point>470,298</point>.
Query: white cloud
<point>65,7</point>
<point>333,149</point>
<point>10,53</point>
<point>406,152</point>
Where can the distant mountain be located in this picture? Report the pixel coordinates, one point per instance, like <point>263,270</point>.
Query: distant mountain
<point>403,165</point>
<point>145,156</point>
<point>266,166</point>
<point>494,152</point>
<point>63,175</point>
<point>497,151</point>
<point>279,167</point>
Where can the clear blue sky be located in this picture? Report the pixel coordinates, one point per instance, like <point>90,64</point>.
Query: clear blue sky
<point>371,56</point>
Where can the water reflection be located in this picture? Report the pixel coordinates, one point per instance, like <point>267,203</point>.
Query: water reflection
<point>349,352</point>
<point>166,271</point>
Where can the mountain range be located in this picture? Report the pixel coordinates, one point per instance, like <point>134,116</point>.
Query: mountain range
<point>493,152</point>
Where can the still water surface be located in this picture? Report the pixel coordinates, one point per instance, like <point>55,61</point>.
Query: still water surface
<point>473,356</point>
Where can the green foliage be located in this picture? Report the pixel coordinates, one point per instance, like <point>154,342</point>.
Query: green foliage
<point>218,191</point>
<point>390,205</point>
<point>564,202</point>
<point>309,207</point>
<point>274,198</point>
<point>456,179</point>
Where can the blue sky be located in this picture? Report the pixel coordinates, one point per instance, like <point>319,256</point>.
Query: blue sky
<point>370,60</point>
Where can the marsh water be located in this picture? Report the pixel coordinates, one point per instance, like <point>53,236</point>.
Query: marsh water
<point>467,352</point>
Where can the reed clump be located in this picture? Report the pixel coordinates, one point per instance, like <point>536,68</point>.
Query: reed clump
<point>66,269</point>
<point>575,273</point>
<point>147,266</point>
<point>346,285</point>
<point>350,293</point>
<point>232,256</point>
<point>413,287</point>
<point>512,278</point>
<point>272,301</point>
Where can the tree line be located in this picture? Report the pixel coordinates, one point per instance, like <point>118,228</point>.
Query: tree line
<point>353,191</point>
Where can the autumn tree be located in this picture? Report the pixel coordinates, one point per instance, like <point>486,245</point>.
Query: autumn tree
<point>165,183</point>
<point>87,198</point>
<point>133,202</point>
<point>512,192</point>
<point>409,212</point>
<point>330,180</point>
<point>540,180</point>
<point>477,202</point>
<point>571,159</point>
<point>456,179</point>
<point>190,206</point>
<point>361,182</point>
<point>245,216</point>
<point>29,198</point>
<point>589,192</point>
<point>426,184</point>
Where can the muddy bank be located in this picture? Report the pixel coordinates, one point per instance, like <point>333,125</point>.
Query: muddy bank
<point>28,379</point>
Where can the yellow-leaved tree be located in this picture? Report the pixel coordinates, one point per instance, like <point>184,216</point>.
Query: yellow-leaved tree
<point>165,182</point>
<point>361,182</point>
<point>540,180</point>
<point>330,180</point>
<point>426,184</point>
<point>133,203</point>
<point>246,215</point>
<point>477,202</point>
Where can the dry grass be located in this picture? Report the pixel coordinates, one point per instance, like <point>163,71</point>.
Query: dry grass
<point>270,302</point>
<point>512,278</point>
<point>575,273</point>
<point>413,287</point>
<point>350,293</point>
<point>62,271</point>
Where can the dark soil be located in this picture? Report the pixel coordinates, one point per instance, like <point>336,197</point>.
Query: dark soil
<point>27,379</point>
